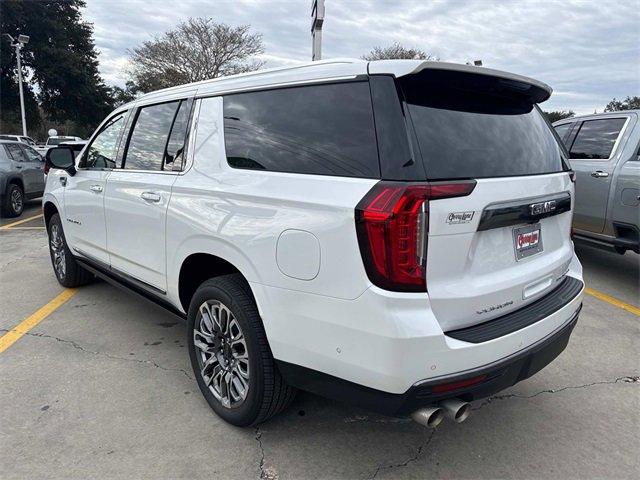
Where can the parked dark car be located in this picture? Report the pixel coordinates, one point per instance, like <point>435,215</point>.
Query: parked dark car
<point>21,176</point>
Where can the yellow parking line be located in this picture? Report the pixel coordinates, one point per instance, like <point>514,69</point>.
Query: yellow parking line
<point>13,335</point>
<point>19,222</point>
<point>613,301</point>
<point>26,228</point>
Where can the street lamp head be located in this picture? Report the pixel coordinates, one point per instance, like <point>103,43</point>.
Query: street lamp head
<point>23,39</point>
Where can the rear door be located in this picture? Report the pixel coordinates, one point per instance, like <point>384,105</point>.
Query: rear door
<point>593,157</point>
<point>507,243</point>
<point>137,195</point>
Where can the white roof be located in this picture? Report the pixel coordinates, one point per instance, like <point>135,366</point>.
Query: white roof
<point>334,69</point>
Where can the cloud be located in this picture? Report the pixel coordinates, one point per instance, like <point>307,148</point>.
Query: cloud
<point>588,51</point>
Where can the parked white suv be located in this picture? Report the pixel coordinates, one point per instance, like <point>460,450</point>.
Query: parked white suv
<point>395,234</point>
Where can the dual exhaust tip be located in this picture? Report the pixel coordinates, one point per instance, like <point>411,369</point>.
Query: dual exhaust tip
<point>454,409</point>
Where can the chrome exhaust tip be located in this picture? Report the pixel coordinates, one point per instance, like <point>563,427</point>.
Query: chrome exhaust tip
<point>456,410</point>
<point>429,416</point>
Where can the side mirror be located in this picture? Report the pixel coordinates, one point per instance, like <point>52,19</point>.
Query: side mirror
<point>61,157</point>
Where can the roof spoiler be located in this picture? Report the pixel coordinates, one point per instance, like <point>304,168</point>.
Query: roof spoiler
<point>535,90</point>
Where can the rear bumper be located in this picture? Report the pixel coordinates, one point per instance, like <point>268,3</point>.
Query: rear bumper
<point>495,377</point>
<point>387,342</point>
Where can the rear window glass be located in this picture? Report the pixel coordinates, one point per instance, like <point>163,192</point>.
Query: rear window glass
<point>59,140</point>
<point>476,129</point>
<point>320,129</point>
<point>596,138</point>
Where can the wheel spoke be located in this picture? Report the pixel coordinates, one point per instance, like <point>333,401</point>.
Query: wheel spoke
<point>223,356</point>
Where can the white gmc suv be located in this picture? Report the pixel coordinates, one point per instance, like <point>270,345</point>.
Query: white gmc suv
<point>394,234</point>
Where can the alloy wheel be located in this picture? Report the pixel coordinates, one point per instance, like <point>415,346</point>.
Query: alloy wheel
<point>222,354</point>
<point>16,200</point>
<point>57,248</point>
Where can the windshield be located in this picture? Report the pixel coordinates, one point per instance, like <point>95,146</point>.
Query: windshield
<point>469,129</point>
<point>59,140</point>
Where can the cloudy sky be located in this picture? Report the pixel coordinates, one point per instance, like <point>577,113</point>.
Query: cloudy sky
<point>588,51</point>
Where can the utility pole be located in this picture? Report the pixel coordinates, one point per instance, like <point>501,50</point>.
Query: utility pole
<point>21,42</point>
<point>317,16</point>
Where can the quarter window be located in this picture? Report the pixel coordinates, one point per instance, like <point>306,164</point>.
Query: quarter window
<point>596,138</point>
<point>320,129</point>
<point>158,137</point>
<point>562,130</point>
<point>31,154</point>
<point>102,151</point>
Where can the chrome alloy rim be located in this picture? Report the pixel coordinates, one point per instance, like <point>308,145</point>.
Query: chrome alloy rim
<point>222,353</point>
<point>16,201</point>
<point>57,248</point>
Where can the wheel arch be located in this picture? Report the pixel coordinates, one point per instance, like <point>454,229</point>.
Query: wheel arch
<point>15,180</point>
<point>49,209</point>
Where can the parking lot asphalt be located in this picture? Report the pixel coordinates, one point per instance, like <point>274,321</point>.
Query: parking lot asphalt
<point>102,388</point>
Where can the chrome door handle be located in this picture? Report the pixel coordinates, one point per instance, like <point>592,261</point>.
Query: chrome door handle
<point>599,174</point>
<point>96,188</point>
<point>150,197</point>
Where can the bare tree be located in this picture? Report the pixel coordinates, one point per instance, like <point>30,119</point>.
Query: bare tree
<point>397,51</point>
<point>198,49</point>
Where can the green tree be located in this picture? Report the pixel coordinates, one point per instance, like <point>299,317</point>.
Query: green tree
<point>629,103</point>
<point>556,115</point>
<point>198,49</point>
<point>62,61</point>
<point>397,51</point>
<point>10,120</point>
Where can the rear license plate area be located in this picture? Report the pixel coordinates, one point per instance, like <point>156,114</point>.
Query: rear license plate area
<point>527,241</point>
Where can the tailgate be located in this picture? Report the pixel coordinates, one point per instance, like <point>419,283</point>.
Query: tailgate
<point>498,249</point>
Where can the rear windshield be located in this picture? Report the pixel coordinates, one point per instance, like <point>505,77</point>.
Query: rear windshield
<point>59,140</point>
<point>470,128</point>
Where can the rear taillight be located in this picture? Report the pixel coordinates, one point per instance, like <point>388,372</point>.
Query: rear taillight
<point>392,226</point>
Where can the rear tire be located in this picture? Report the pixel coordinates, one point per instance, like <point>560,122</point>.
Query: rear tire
<point>67,270</point>
<point>238,365</point>
<point>13,201</point>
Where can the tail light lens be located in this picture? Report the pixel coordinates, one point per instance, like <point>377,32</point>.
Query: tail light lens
<point>392,228</point>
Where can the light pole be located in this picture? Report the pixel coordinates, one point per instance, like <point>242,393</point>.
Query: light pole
<point>21,42</point>
<point>317,15</point>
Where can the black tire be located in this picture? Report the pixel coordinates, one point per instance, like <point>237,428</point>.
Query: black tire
<point>267,393</point>
<point>70,274</point>
<point>13,201</point>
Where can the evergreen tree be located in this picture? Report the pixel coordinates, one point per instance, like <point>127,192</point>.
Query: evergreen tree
<point>61,58</point>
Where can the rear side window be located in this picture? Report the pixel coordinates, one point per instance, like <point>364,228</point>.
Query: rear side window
<point>472,127</point>
<point>596,138</point>
<point>158,137</point>
<point>16,152</point>
<point>320,129</point>
<point>174,156</point>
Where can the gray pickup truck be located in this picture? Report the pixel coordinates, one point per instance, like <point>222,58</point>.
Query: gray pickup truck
<point>604,151</point>
<point>21,176</point>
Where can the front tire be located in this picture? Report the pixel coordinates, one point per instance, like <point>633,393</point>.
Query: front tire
<point>13,202</point>
<point>230,355</point>
<point>68,272</point>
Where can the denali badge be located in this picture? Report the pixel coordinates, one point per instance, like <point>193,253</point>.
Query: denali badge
<point>542,207</point>
<point>494,307</point>
<point>459,217</point>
